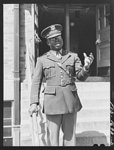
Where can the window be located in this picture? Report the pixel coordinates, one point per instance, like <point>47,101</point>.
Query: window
<point>7,123</point>
<point>107,15</point>
<point>104,16</point>
<point>101,17</point>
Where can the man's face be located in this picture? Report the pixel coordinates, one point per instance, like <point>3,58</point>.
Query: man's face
<point>55,43</point>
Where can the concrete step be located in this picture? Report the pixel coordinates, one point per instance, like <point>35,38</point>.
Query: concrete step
<point>95,125</point>
<point>87,138</point>
<point>94,94</point>
<point>93,87</point>
<point>100,85</point>
<point>95,103</point>
<point>26,142</point>
<point>95,113</point>
<point>90,137</point>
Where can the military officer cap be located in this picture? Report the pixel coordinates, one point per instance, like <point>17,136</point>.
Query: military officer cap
<point>51,31</point>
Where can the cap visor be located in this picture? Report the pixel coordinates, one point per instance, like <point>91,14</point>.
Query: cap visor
<point>53,35</point>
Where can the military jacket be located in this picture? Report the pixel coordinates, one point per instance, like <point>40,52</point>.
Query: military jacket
<point>60,93</point>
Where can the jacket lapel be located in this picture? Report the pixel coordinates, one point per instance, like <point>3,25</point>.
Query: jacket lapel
<point>54,58</point>
<point>51,56</point>
<point>65,57</point>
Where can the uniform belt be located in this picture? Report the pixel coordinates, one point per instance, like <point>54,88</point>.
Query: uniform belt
<point>63,83</point>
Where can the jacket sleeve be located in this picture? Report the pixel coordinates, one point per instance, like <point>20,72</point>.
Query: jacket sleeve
<point>80,72</point>
<point>36,82</point>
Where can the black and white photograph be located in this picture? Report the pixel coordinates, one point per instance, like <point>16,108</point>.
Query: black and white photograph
<point>57,74</point>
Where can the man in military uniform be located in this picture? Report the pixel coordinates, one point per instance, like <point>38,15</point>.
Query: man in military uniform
<point>61,101</point>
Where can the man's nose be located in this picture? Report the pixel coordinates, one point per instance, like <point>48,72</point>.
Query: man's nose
<point>56,39</point>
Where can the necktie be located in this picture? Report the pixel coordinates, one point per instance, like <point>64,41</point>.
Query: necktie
<point>58,55</point>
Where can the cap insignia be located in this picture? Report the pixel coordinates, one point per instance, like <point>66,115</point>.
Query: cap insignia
<point>52,27</point>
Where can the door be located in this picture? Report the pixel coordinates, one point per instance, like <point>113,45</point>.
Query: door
<point>103,39</point>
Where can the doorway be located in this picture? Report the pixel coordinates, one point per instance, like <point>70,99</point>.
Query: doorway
<point>82,28</point>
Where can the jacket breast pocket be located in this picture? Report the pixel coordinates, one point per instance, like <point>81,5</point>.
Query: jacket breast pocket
<point>49,70</point>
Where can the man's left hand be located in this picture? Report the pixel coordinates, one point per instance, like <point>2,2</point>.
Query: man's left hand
<point>88,60</point>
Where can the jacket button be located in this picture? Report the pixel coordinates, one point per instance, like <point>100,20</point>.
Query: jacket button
<point>59,64</point>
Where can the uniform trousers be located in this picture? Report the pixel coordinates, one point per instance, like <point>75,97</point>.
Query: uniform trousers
<point>67,122</point>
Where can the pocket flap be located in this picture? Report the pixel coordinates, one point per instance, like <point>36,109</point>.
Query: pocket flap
<point>49,65</point>
<point>49,90</point>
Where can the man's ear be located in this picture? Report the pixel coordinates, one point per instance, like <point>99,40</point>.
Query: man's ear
<point>48,42</point>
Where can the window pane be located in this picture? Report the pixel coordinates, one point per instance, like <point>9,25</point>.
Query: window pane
<point>107,9</point>
<point>8,142</point>
<point>7,110</point>
<point>101,17</point>
<point>101,12</point>
<point>7,132</point>
<point>107,15</point>
<point>7,122</point>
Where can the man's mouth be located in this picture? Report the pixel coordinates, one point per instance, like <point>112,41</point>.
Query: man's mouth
<point>58,44</point>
